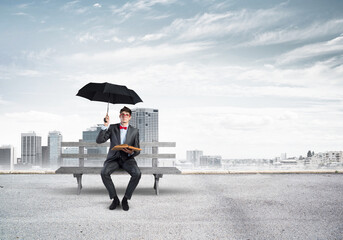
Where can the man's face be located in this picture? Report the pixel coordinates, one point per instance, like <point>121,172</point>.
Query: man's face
<point>124,117</point>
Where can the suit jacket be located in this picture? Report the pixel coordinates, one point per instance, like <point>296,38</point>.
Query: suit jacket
<point>113,133</point>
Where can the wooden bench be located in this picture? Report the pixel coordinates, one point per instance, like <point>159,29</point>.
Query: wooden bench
<point>156,171</point>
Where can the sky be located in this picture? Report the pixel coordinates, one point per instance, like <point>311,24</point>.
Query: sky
<point>239,79</point>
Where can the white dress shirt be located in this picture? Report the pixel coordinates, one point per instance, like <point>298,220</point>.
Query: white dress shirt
<point>123,135</point>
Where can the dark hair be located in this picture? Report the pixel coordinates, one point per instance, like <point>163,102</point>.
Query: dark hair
<point>126,109</point>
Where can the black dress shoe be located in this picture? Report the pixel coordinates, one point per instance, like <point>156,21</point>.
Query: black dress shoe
<point>115,203</point>
<point>125,204</point>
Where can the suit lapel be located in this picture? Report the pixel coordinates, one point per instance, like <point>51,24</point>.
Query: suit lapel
<point>129,130</point>
<point>117,132</point>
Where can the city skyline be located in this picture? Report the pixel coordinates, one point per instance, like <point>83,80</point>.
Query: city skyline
<point>232,78</point>
<point>194,157</point>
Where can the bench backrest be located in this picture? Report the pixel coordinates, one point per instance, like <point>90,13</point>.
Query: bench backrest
<point>81,155</point>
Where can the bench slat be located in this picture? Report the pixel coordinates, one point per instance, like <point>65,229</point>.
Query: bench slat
<point>97,170</point>
<point>103,156</point>
<point>107,144</point>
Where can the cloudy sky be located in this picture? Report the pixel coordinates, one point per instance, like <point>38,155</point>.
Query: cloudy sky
<point>240,79</point>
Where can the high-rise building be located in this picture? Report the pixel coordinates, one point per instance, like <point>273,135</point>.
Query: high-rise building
<point>55,149</point>
<point>146,120</point>
<point>6,157</point>
<point>45,157</point>
<point>194,157</point>
<point>327,158</point>
<point>211,161</point>
<point>90,135</point>
<point>31,149</point>
<point>283,156</point>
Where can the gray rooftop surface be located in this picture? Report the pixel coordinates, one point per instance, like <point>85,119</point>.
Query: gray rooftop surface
<point>239,206</point>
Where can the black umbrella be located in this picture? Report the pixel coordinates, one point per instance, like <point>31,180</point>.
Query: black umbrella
<point>110,93</point>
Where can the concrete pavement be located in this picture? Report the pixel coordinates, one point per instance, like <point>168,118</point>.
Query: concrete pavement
<point>239,206</point>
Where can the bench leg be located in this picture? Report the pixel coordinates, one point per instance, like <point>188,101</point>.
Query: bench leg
<point>79,182</point>
<point>157,178</point>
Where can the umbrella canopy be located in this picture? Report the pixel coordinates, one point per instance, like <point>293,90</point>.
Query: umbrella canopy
<point>110,93</point>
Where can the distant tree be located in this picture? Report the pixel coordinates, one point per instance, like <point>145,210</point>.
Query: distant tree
<point>309,153</point>
<point>301,157</point>
<point>312,153</point>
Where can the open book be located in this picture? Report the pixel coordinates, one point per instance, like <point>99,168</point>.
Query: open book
<point>121,146</point>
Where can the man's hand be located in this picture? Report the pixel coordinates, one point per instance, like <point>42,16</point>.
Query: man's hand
<point>106,120</point>
<point>127,150</point>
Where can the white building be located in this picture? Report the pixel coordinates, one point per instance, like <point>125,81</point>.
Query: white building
<point>146,120</point>
<point>283,156</point>
<point>211,161</point>
<point>55,149</point>
<point>31,149</point>
<point>193,156</point>
<point>326,158</point>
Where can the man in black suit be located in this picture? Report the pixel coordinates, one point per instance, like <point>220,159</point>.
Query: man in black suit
<point>120,133</point>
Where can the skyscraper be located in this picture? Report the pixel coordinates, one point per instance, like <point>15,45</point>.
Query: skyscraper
<point>31,149</point>
<point>146,120</point>
<point>194,157</point>
<point>211,161</point>
<point>55,149</point>
<point>6,157</point>
<point>45,157</point>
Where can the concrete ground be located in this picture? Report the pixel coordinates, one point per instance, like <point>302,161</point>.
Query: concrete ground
<point>239,206</point>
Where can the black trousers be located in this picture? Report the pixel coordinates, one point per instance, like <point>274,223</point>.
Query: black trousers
<point>130,166</point>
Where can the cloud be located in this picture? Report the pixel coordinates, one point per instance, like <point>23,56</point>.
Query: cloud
<point>134,54</point>
<point>74,7</point>
<point>23,14</point>
<point>297,34</point>
<point>130,8</point>
<point>3,102</point>
<point>28,73</point>
<point>288,115</point>
<point>14,73</point>
<point>20,14</point>
<point>158,17</point>
<point>312,51</point>
<point>24,5</point>
<point>255,86</point>
<point>230,23</point>
<point>114,39</point>
<point>247,122</point>
<point>71,4</point>
<point>34,116</point>
<point>246,24</point>
<point>87,37</point>
<point>99,33</point>
<point>38,55</point>
<point>153,37</point>
<point>97,5</point>
<point>52,29</point>
<point>131,39</point>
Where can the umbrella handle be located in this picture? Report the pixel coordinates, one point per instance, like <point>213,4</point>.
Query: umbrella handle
<point>107,110</point>
<point>108,104</point>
